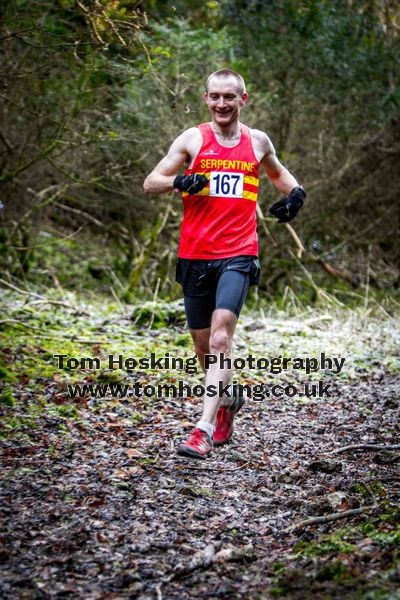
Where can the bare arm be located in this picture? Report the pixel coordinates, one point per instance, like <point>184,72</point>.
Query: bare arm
<point>161,179</point>
<point>279,176</point>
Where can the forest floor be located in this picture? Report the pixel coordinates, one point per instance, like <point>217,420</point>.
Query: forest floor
<point>96,504</point>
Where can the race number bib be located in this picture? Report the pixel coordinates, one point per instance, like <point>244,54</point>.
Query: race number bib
<point>229,185</point>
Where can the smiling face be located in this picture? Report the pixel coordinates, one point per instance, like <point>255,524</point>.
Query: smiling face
<point>224,100</point>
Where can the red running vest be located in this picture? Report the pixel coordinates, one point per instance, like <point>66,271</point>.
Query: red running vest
<point>220,220</point>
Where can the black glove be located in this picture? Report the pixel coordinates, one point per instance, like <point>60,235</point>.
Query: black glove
<point>190,183</point>
<point>287,208</point>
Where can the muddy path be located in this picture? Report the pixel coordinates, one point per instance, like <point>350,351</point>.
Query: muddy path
<point>96,504</point>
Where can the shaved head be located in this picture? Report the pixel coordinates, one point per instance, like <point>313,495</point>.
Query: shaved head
<point>225,73</point>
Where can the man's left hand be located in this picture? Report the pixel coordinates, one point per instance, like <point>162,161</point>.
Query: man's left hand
<point>287,208</point>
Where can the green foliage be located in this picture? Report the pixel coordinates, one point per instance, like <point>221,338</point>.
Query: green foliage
<point>335,542</point>
<point>95,93</point>
<point>6,375</point>
<point>158,314</point>
<point>68,411</point>
<point>7,397</point>
<point>383,530</point>
<point>334,571</point>
<point>333,574</point>
<point>110,376</point>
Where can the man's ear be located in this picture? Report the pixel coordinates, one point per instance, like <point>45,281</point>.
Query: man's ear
<point>206,96</point>
<point>244,98</point>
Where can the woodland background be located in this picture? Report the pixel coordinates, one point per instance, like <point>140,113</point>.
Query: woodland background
<point>94,503</point>
<point>93,93</point>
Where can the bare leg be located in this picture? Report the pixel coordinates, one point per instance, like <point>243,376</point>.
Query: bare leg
<point>201,339</point>
<point>222,329</point>
<point>216,340</point>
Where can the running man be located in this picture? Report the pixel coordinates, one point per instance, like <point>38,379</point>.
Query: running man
<point>217,259</point>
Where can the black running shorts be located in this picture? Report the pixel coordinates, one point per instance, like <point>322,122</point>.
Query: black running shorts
<point>215,283</point>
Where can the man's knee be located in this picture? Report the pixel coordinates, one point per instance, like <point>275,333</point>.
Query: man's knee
<point>220,341</point>
<point>222,329</point>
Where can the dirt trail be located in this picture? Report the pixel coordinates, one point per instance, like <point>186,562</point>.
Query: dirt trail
<point>95,503</point>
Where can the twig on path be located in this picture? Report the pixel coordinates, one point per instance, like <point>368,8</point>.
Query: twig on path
<point>60,303</point>
<point>14,287</point>
<point>193,468</point>
<point>199,468</point>
<point>12,321</point>
<point>366,447</point>
<point>41,299</point>
<point>209,556</point>
<point>158,591</point>
<point>332,517</point>
<point>72,338</point>
<point>200,560</point>
<point>232,553</point>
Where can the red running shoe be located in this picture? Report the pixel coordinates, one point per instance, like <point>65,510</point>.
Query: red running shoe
<point>224,425</point>
<point>199,445</point>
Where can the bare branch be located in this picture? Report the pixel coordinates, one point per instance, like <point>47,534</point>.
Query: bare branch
<point>51,243</point>
<point>332,517</point>
<point>41,154</point>
<point>16,33</point>
<point>14,322</point>
<point>40,299</point>
<point>376,447</point>
<point>299,244</point>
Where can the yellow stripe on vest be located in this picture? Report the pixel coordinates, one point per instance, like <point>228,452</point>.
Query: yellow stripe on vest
<point>251,180</point>
<point>250,195</point>
<point>205,192</point>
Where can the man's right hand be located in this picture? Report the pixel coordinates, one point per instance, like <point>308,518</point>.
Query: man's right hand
<point>190,183</point>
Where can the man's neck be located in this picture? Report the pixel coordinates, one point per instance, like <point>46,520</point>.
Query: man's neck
<point>230,132</point>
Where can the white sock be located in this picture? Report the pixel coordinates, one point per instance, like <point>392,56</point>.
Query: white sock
<point>207,427</point>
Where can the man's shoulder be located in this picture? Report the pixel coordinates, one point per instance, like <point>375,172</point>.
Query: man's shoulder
<point>259,135</point>
<point>191,131</point>
<point>190,135</point>
<point>261,140</point>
